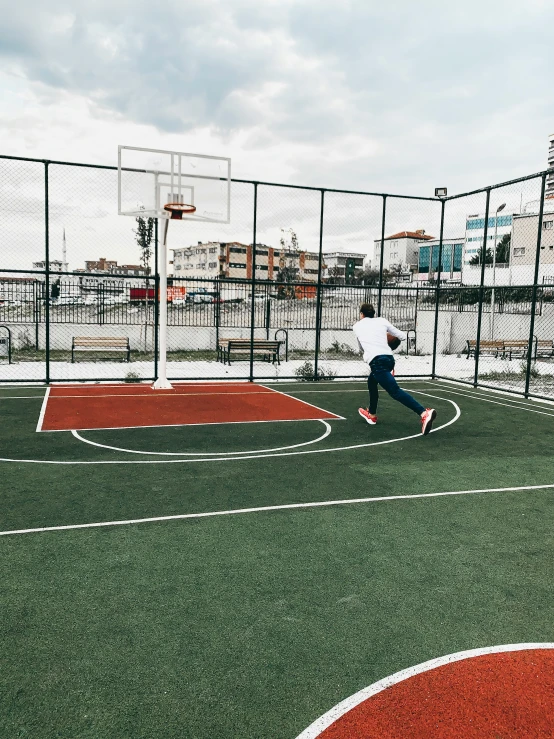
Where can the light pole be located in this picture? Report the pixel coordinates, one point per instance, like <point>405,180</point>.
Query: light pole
<point>500,207</point>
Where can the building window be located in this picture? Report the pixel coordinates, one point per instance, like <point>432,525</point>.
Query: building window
<point>238,250</point>
<point>519,251</point>
<point>458,251</point>
<point>213,249</point>
<point>177,266</point>
<point>234,265</point>
<point>424,254</point>
<point>548,224</point>
<point>212,265</point>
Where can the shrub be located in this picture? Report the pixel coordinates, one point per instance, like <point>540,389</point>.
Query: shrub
<point>306,373</point>
<point>132,377</point>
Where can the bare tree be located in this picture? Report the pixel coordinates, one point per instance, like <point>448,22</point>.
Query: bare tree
<point>144,233</point>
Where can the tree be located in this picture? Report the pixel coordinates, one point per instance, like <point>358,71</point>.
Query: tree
<point>289,264</point>
<point>502,252</point>
<point>334,275</point>
<point>503,249</point>
<point>144,234</point>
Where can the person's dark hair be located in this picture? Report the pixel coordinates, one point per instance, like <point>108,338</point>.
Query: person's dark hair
<point>367,310</point>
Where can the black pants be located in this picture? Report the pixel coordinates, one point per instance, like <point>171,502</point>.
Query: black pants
<point>381,368</point>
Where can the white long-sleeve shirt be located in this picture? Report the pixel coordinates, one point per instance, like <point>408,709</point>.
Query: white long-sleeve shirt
<point>372,336</point>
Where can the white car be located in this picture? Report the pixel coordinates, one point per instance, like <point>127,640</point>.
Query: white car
<point>179,302</point>
<point>69,300</point>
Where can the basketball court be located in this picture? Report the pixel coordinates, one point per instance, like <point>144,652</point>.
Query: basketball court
<point>250,575</point>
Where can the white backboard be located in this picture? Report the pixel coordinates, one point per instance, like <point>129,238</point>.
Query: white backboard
<point>148,179</point>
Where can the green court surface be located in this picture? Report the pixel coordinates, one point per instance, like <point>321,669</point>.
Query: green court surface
<point>254,621</point>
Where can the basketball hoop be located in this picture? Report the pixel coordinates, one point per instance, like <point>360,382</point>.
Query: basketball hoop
<point>177,210</point>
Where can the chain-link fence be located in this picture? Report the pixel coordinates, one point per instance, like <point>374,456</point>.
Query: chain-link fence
<point>469,278</point>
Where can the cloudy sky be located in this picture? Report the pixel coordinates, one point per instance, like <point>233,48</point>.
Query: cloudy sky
<point>359,94</point>
<point>395,97</point>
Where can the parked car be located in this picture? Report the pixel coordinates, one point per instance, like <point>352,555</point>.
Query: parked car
<point>201,296</point>
<point>68,300</point>
<point>113,299</point>
<point>178,302</point>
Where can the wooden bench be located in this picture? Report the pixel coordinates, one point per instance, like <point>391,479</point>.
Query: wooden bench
<point>267,348</point>
<point>485,347</point>
<point>518,347</point>
<point>544,348</point>
<point>507,348</point>
<point>100,343</point>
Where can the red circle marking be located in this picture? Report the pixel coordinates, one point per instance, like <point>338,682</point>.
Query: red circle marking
<point>504,695</point>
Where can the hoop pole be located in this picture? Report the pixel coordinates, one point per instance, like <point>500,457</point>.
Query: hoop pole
<point>162,383</point>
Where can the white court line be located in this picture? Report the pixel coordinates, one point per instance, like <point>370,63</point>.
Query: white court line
<point>279,392</point>
<point>483,392</point>
<point>19,397</point>
<point>157,395</point>
<point>43,409</point>
<point>329,718</point>
<point>184,425</point>
<point>495,402</point>
<point>204,454</point>
<point>285,507</point>
<point>232,459</point>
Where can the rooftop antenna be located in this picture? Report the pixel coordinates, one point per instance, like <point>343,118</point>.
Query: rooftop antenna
<point>64,251</point>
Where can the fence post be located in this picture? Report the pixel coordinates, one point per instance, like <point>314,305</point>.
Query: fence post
<point>437,291</point>
<point>156,299</point>
<point>267,315</point>
<point>534,296</point>
<point>47,271</point>
<point>318,305</point>
<point>217,311</point>
<point>382,255</point>
<point>481,289</point>
<point>36,312</point>
<point>253,284</point>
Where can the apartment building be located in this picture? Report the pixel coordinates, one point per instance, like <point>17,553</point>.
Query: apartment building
<point>524,239</point>
<point>235,260</point>
<point>401,250</point>
<point>550,176</point>
<point>111,267</point>
<point>340,266</point>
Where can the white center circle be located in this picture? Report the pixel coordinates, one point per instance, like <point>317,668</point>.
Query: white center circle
<point>328,430</point>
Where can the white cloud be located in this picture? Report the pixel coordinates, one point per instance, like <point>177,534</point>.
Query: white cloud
<point>361,96</point>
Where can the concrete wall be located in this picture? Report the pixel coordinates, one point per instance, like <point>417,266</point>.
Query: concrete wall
<point>453,331</point>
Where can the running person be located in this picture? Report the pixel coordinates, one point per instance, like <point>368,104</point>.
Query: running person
<point>371,333</point>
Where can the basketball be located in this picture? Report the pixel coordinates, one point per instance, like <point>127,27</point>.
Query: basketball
<point>393,341</point>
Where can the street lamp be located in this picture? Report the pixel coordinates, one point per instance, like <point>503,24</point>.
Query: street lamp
<point>500,207</point>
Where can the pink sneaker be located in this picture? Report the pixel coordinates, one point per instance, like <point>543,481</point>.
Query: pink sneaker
<point>427,419</point>
<point>369,417</point>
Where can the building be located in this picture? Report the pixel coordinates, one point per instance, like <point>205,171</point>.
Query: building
<point>234,260</point>
<point>524,239</point>
<point>401,250</point>
<point>550,176</point>
<point>55,265</point>
<point>452,258</point>
<point>340,266</point>
<point>109,267</point>
<point>475,233</point>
